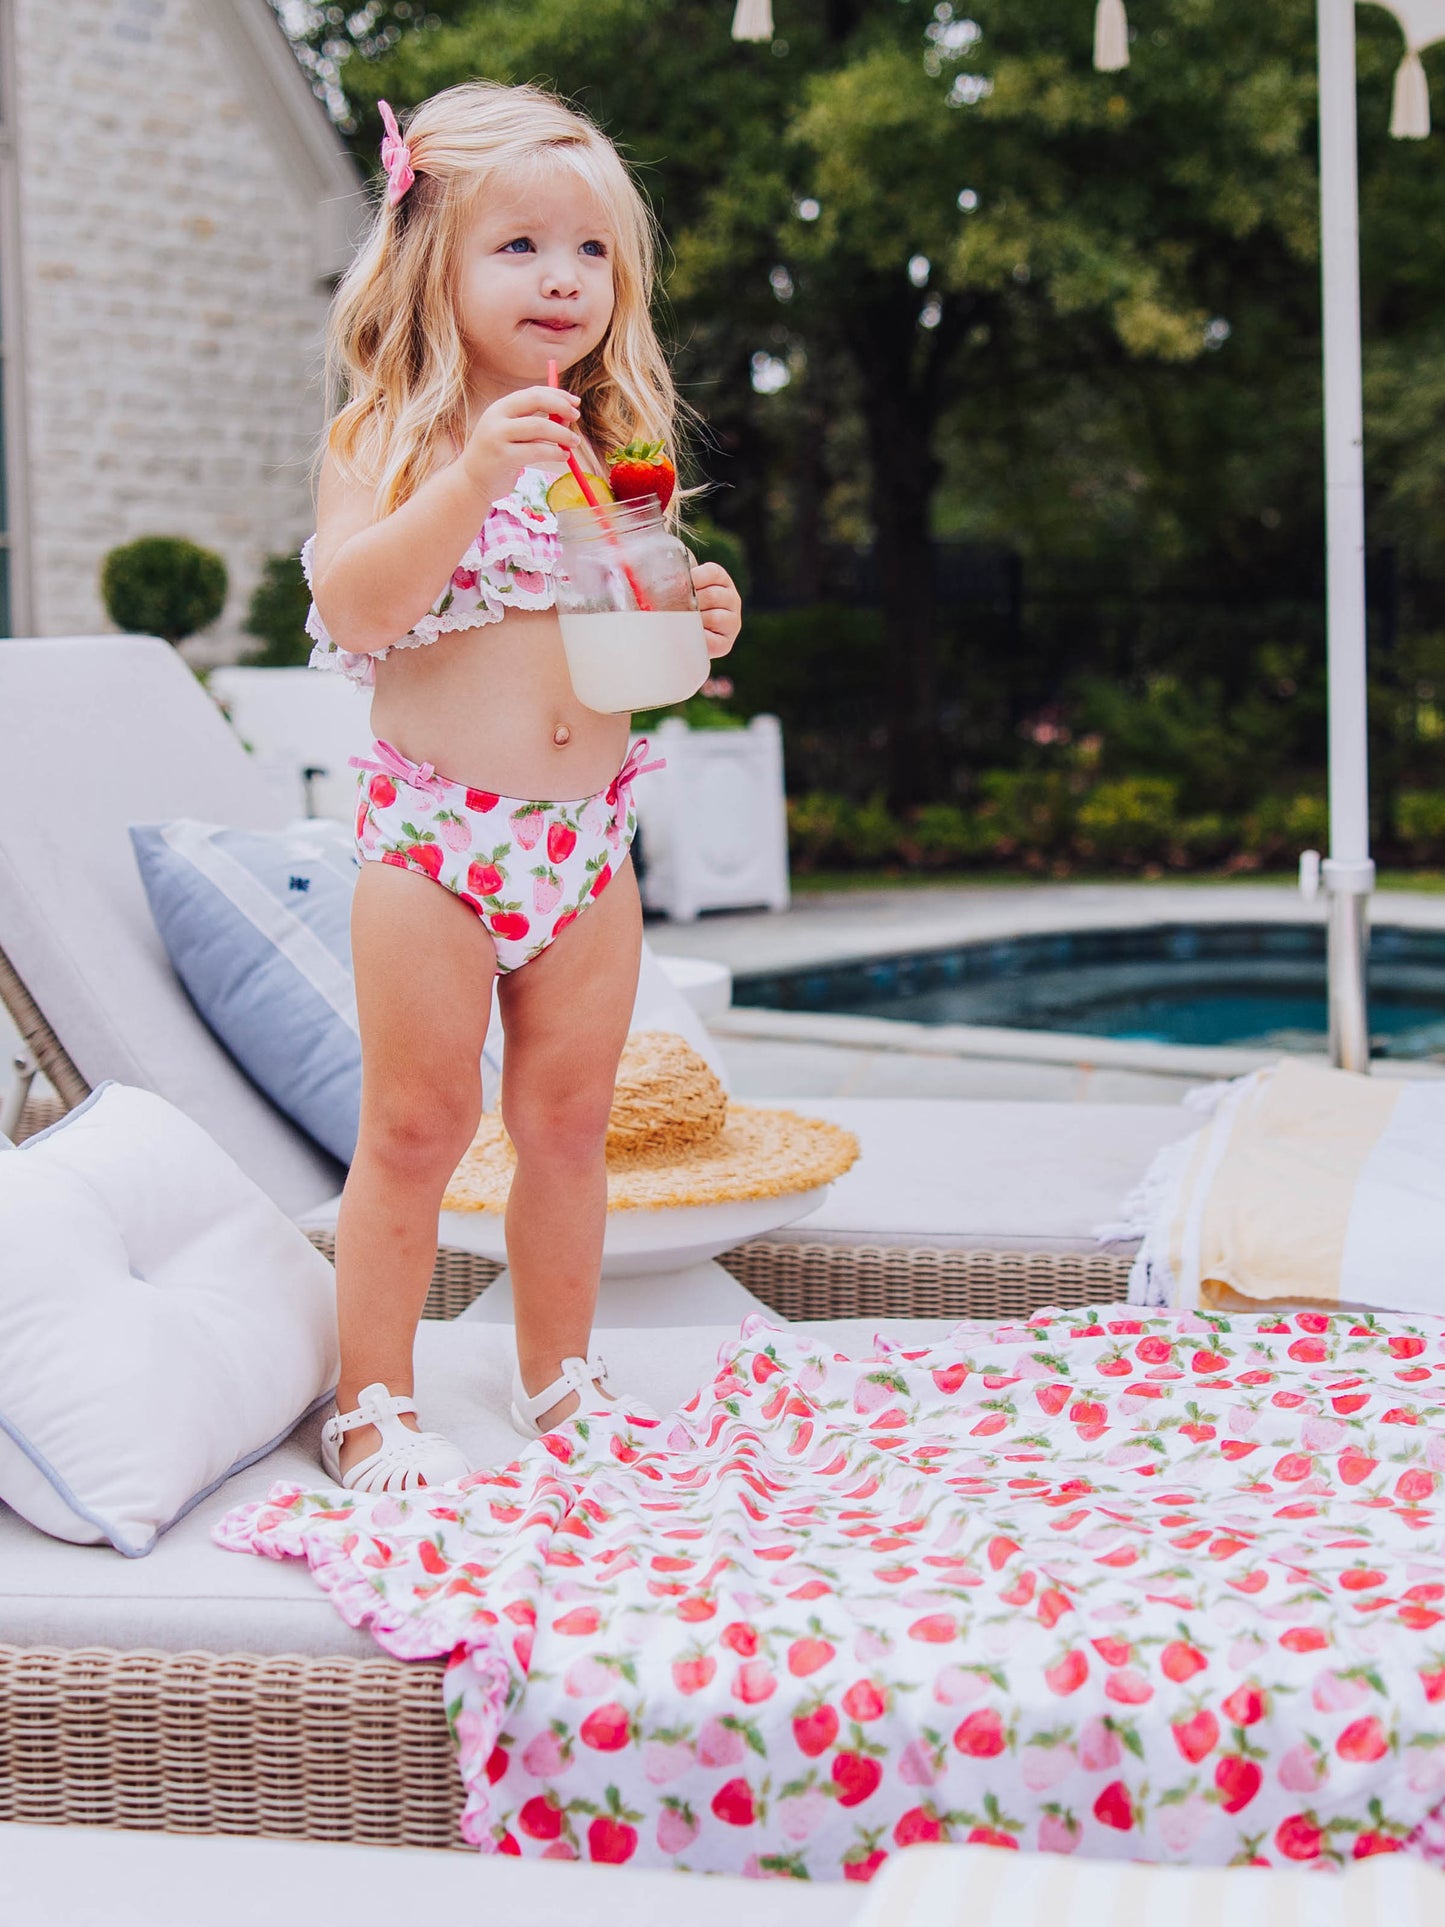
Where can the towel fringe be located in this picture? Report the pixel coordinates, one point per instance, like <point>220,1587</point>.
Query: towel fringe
<point>1151,1208</point>
<point>1121,1233</point>
<point>1206,1098</point>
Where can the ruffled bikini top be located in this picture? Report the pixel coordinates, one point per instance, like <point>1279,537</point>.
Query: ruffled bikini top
<point>512,564</point>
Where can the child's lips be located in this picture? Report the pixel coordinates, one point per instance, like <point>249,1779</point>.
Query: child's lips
<point>553,327</point>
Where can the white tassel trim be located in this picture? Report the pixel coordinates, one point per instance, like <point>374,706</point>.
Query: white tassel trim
<point>1207,1098</point>
<point>1111,36</point>
<point>1410,114</point>
<point>1152,1208</point>
<point>753,20</point>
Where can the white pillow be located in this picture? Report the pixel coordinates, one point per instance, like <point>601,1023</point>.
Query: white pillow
<point>162,1322</point>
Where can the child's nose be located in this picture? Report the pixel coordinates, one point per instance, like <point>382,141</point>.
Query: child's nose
<point>560,277</point>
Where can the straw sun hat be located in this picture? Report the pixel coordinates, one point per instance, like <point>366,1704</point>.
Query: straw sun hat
<point>674,1139</point>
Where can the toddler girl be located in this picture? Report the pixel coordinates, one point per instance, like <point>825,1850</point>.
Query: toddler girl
<point>511,235</point>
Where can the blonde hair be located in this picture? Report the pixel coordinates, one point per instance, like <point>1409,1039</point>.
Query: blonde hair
<point>394,347</point>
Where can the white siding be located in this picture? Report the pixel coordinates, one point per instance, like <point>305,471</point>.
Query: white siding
<point>173,301</point>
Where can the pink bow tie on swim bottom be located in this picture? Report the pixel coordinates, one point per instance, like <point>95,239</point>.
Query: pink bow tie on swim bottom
<point>619,790</point>
<point>420,776</point>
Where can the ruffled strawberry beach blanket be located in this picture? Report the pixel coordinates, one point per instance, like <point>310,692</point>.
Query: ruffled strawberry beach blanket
<point>1165,1587</point>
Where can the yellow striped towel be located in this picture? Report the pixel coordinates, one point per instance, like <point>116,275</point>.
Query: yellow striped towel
<point>1306,1186</point>
<point>985,1887</point>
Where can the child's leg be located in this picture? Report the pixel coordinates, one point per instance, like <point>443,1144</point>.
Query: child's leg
<point>566,1014</point>
<point>424,967</point>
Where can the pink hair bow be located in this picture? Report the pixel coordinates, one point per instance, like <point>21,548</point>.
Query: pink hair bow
<point>395,157</point>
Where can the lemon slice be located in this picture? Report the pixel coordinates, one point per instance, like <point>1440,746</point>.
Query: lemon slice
<point>565,493</point>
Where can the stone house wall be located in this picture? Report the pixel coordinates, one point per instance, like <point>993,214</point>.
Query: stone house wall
<point>179,219</point>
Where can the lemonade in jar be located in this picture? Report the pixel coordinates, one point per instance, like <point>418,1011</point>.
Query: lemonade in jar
<point>631,630</point>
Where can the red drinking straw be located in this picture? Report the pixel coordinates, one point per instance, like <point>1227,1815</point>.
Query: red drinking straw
<point>590,498</point>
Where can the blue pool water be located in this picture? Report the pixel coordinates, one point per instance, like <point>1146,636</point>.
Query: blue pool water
<point>1249,984</point>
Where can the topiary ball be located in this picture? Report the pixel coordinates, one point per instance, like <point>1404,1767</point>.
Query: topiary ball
<point>163,585</point>
<point>277,615</point>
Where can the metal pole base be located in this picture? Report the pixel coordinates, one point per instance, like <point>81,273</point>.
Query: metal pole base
<point>1348,887</point>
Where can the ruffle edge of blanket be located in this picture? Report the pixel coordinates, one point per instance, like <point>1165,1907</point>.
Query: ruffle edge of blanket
<point>477,1683</point>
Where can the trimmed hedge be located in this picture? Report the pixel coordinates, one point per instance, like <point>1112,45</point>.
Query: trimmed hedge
<point>163,585</point>
<point>1048,822</point>
<point>277,614</point>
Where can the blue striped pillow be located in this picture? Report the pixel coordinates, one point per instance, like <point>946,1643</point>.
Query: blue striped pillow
<point>258,927</point>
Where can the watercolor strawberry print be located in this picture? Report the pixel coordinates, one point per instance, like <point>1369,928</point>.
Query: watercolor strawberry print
<point>996,1589</point>
<point>485,849</point>
<point>511,563</point>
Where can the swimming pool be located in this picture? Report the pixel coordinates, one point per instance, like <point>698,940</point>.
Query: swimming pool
<point>1253,984</point>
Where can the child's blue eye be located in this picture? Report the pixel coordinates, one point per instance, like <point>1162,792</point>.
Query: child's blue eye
<point>521,243</point>
<point>596,248</point>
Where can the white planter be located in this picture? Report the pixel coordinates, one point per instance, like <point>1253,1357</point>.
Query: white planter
<point>714,822</point>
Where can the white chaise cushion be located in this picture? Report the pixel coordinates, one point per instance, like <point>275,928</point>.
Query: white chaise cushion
<point>162,1322</point>
<point>963,1174</point>
<point>74,921</point>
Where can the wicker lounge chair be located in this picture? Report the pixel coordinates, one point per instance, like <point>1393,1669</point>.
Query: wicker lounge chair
<point>347,1747</point>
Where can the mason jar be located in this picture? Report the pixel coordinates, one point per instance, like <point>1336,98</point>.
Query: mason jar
<point>631,630</point>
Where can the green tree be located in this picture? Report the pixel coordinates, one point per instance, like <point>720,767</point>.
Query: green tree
<point>1009,297</point>
<point>326,36</point>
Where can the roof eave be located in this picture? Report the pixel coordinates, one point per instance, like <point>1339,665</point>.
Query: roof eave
<point>268,70</point>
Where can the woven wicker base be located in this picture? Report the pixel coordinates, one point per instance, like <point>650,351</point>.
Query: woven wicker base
<point>37,1036</point>
<point>868,1281</point>
<point>293,1748</point>
<point>857,1281</point>
<point>38,1115</point>
<point>864,1281</point>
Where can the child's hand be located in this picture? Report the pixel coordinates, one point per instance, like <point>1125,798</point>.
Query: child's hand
<point>518,432</point>
<point>720,604</point>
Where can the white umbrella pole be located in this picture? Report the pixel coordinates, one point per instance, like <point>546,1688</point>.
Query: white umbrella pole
<point>1347,873</point>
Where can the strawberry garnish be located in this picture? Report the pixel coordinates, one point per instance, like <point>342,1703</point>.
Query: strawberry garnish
<point>642,469</point>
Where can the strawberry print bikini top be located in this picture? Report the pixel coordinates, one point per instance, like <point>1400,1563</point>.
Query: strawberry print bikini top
<point>512,564</point>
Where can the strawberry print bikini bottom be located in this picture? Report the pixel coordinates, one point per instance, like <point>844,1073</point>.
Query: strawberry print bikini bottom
<point>528,869</point>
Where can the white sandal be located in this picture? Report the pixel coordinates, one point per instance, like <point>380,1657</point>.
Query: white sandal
<point>587,1377</point>
<point>419,1458</point>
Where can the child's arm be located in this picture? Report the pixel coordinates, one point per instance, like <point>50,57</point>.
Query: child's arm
<point>373,581</point>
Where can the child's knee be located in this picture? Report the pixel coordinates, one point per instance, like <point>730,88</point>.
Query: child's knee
<point>420,1133</point>
<point>568,1123</point>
